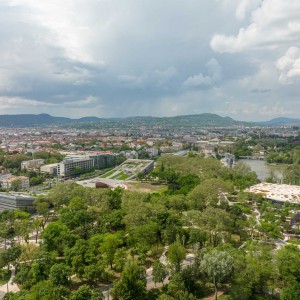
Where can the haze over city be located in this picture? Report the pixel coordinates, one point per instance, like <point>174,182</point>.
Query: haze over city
<point>237,58</point>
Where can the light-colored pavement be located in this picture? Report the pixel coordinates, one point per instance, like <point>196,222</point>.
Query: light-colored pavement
<point>10,286</point>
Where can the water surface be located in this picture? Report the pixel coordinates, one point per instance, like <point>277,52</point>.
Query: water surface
<point>262,169</point>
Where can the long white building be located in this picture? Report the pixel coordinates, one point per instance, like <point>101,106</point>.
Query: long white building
<point>67,165</point>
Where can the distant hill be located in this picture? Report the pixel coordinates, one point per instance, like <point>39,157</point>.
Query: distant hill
<point>87,119</point>
<point>191,121</point>
<point>280,121</point>
<point>200,120</point>
<point>30,120</point>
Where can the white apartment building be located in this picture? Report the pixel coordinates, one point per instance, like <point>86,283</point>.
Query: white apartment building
<point>67,165</point>
<point>152,151</point>
<point>7,182</point>
<point>50,169</point>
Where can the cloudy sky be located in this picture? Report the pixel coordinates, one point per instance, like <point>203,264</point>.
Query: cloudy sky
<point>116,58</point>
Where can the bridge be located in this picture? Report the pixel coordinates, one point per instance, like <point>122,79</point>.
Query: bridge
<point>253,157</point>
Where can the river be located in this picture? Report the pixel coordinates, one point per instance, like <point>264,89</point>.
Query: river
<point>262,169</point>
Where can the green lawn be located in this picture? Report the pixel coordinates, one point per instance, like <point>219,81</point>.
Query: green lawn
<point>108,174</point>
<point>121,176</point>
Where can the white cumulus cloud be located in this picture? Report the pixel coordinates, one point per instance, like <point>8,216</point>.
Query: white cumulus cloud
<point>244,7</point>
<point>289,66</point>
<point>273,23</point>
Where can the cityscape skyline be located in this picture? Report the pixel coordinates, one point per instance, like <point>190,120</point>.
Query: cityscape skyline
<point>236,58</point>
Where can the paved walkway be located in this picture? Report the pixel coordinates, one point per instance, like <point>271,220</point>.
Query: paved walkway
<point>150,283</point>
<point>10,286</point>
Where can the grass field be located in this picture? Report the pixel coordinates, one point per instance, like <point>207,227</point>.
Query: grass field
<point>108,174</point>
<point>121,176</point>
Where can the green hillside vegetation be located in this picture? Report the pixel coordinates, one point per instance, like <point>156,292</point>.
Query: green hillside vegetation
<point>94,240</point>
<point>199,120</point>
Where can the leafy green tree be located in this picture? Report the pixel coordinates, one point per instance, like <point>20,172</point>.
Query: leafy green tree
<point>176,285</point>
<point>144,236</point>
<point>217,266</point>
<point>140,176</point>
<point>79,256</point>
<point>10,256</point>
<point>288,262</point>
<point>242,176</point>
<point>115,198</point>
<point>36,225</point>
<point>46,290</point>
<point>36,180</point>
<point>197,236</point>
<point>291,174</point>
<point>120,259</point>
<point>112,221</point>
<point>14,161</point>
<point>165,297</point>
<point>255,274</point>
<point>94,272</point>
<point>208,193</point>
<point>270,229</point>
<point>132,284</point>
<point>86,293</point>
<point>176,254</point>
<point>42,209</point>
<point>16,185</point>
<point>109,247</point>
<point>291,292</point>
<point>56,237</point>
<point>59,274</point>
<point>32,272</point>
<point>160,272</point>
<point>78,217</point>
<point>216,222</point>
<point>62,193</point>
<point>136,208</point>
<point>190,275</point>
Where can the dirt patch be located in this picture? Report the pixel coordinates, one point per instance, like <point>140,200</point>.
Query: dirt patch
<point>145,187</point>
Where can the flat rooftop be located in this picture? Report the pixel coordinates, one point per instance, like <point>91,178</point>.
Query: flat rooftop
<point>277,192</point>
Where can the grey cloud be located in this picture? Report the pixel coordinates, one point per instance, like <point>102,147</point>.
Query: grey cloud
<point>214,74</point>
<point>260,91</point>
<point>120,58</point>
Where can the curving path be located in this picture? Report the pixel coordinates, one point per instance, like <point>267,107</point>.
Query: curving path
<point>150,283</point>
<point>10,286</point>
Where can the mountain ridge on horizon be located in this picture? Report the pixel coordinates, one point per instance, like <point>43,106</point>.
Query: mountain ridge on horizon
<point>206,119</point>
